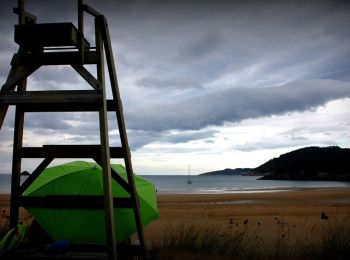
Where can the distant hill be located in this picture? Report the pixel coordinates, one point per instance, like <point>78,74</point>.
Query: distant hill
<point>310,163</point>
<point>237,171</point>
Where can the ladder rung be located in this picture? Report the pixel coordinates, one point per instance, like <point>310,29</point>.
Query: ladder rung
<point>56,101</point>
<point>46,97</point>
<point>54,58</point>
<point>69,151</point>
<point>72,201</point>
<point>133,250</point>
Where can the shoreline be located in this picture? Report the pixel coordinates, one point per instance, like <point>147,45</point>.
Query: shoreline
<point>244,191</point>
<point>298,194</point>
<point>294,195</point>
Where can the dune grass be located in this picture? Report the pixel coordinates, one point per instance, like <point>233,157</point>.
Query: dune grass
<point>208,240</point>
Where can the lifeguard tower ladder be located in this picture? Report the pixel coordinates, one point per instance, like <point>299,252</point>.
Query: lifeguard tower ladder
<point>64,44</point>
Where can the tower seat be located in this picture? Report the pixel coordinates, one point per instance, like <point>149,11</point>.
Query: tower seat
<point>34,36</point>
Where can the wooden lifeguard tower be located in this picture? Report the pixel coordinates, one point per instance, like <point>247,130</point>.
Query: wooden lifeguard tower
<point>63,44</point>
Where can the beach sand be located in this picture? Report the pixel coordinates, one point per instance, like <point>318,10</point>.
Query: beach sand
<point>297,206</point>
<point>292,214</point>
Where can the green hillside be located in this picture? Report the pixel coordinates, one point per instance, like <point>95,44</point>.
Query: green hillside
<point>310,163</point>
<point>237,171</point>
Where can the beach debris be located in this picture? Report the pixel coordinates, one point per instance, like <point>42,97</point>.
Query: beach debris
<point>245,222</point>
<point>13,238</point>
<point>259,223</point>
<point>3,213</point>
<point>277,221</point>
<point>324,216</point>
<point>231,221</point>
<point>58,247</point>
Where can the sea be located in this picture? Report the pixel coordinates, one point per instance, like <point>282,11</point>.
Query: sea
<point>177,184</point>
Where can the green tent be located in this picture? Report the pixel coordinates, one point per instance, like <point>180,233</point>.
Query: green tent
<point>83,226</point>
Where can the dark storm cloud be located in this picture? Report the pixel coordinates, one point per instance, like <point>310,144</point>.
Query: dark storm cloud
<point>172,83</point>
<point>202,46</point>
<point>167,36</point>
<point>189,44</point>
<point>234,105</point>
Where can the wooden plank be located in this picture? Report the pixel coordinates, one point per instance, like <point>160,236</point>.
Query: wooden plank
<point>16,161</point>
<point>50,97</point>
<point>42,166</point>
<point>3,111</point>
<point>48,35</point>
<point>105,155</point>
<point>86,75</point>
<point>81,39</point>
<point>17,74</point>
<point>121,125</point>
<point>68,151</point>
<point>71,202</point>
<point>28,17</point>
<point>54,58</point>
<point>65,107</point>
<point>21,16</point>
<point>53,101</point>
<point>117,177</point>
<point>91,10</point>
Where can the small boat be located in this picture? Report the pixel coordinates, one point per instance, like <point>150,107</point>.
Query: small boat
<point>189,180</point>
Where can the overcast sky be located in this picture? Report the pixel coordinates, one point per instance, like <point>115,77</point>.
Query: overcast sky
<point>214,84</point>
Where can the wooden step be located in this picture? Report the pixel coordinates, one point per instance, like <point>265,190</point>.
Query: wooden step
<point>54,58</point>
<point>69,151</point>
<point>56,101</point>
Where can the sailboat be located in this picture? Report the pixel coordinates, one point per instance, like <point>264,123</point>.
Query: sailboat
<point>189,180</point>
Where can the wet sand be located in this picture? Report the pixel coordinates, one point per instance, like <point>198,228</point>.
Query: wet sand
<point>294,204</point>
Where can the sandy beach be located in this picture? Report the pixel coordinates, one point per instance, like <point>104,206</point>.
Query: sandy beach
<point>293,215</point>
<point>295,205</point>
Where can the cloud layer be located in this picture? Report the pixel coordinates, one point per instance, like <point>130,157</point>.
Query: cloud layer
<point>191,70</point>
<point>236,104</point>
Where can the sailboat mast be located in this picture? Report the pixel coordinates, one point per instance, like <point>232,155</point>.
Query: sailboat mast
<point>189,181</point>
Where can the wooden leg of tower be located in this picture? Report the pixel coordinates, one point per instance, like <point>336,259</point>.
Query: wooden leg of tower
<point>3,111</point>
<point>122,129</point>
<point>16,162</point>
<point>105,157</point>
<point>107,186</point>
